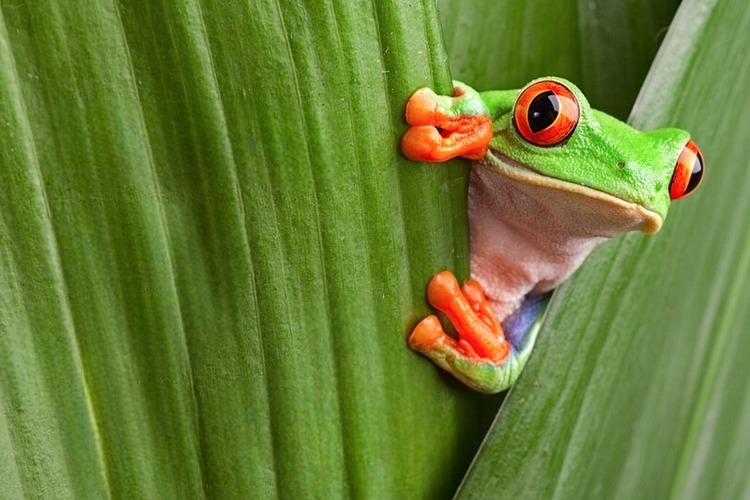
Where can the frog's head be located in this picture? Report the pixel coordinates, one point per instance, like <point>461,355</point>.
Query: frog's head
<point>549,134</point>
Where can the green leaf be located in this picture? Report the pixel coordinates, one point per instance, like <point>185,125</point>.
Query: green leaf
<point>637,387</point>
<point>212,252</point>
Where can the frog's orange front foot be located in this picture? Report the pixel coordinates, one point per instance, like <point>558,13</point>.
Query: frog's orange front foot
<point>481,350</point>
<point>446,127</point>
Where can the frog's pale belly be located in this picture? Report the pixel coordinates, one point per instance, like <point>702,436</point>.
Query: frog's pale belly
<point>529,232</point>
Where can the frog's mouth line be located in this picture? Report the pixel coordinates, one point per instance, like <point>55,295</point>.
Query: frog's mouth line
<point>516,170</point>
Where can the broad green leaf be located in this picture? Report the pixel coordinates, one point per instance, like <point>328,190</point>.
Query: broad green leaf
<point>638,386</point>
<point>212,252</point>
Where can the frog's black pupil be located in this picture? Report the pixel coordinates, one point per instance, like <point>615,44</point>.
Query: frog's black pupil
<point>543,110</point>
<point>696,175</point>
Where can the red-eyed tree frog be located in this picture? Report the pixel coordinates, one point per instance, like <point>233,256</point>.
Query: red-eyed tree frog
<point>552,178</point>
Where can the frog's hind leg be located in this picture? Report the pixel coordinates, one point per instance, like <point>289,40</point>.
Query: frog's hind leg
<point>487,357</point>
<point>444,294</point>
<point>521,327</point>
<point>481,358</point>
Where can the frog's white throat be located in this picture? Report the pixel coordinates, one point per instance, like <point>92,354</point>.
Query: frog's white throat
<point>529,232</point>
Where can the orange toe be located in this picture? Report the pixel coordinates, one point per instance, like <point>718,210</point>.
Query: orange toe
<point>422,107</point>
<point>473,292</point>
<point>428,335</point>
<point>467,350</point>
<point>442,290</point>
<point>479,304</point>
<point>422,143</point>
<point>474,138</point>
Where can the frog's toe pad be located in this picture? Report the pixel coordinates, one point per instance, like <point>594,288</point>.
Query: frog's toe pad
<point>428,335</point>
<point>423,143</point>
<point>422,107</point>
<point>442,290</point>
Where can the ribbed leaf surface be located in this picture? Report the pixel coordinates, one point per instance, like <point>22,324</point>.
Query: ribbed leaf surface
<point>211,252</point>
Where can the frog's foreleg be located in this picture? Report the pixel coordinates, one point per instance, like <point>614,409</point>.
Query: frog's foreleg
<point>482,358</point>
<point>446,127</point>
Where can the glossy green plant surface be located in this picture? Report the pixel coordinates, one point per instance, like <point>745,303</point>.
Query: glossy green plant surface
<point>211,250</point>
<point>638,386</point>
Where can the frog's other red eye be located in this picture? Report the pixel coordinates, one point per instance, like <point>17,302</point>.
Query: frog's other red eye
<point>688,172</point>
<point>546,113</point>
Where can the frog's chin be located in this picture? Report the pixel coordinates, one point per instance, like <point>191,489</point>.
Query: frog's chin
<point>650,221</point>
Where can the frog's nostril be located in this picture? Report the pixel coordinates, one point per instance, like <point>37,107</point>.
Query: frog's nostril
<point>688,172</point>
<point>620,164</point>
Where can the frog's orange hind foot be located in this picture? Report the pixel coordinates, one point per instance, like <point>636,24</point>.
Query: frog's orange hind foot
<point>437,134</point>
<point>480,339</point>
<point>429,336</point>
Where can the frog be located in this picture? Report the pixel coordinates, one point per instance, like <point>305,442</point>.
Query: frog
<point>551,178</point>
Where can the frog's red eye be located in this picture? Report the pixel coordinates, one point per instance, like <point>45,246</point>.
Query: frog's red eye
<point>688,172</point>
<point>546,113</point>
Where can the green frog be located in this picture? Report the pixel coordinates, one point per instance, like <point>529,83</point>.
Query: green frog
<point>551,179</point>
